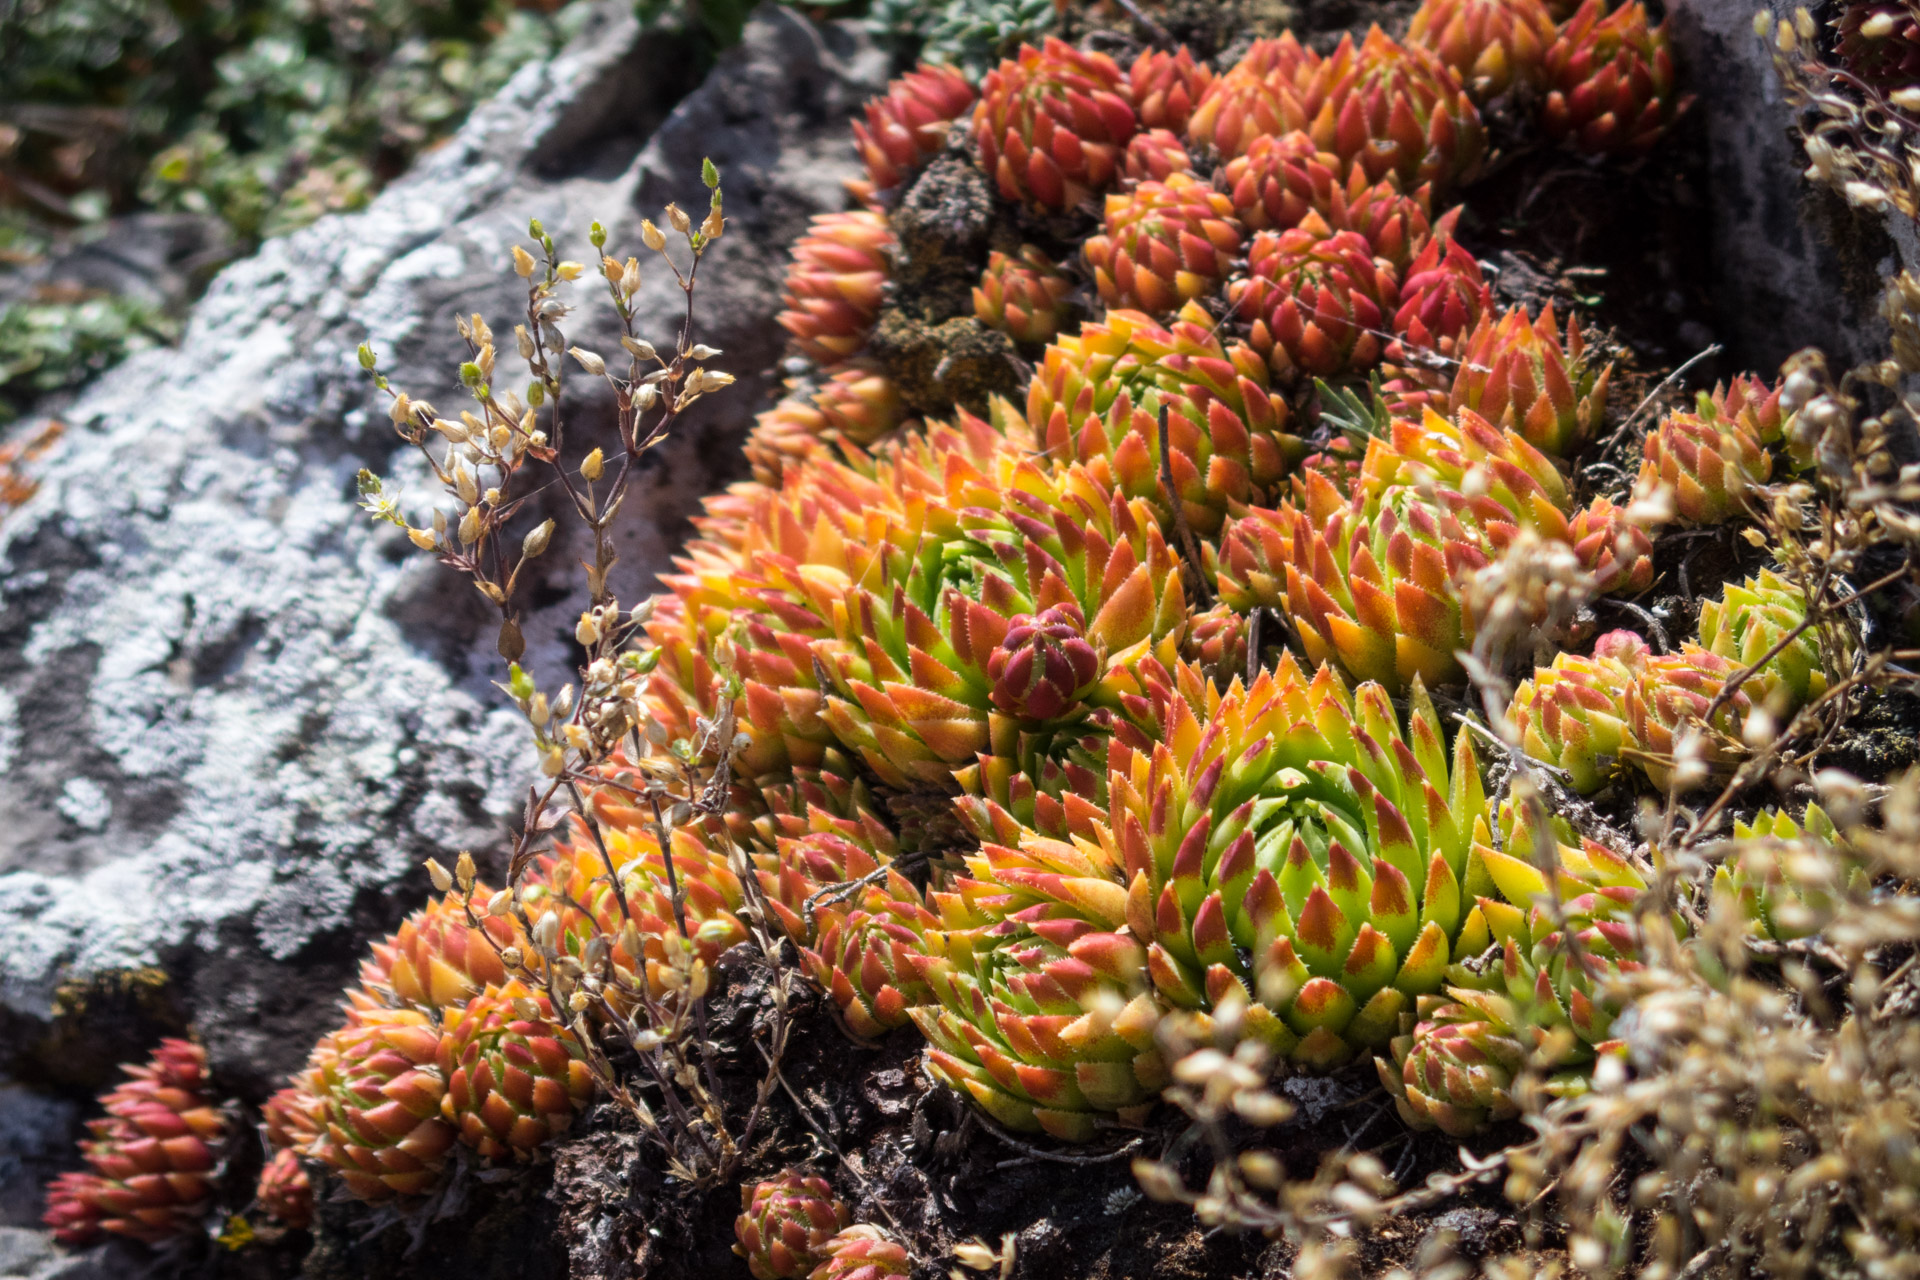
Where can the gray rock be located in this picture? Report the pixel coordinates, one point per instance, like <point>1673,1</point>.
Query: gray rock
<point>235,715</point>
<point>1794,265</point>
<point>22,1252</point>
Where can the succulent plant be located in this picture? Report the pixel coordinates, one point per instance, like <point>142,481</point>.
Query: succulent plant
<point>380,1092</point>
<point>1879,41</point>
<point>783,436</point>
<point>1024,296</point>
<point>1052,123</point>
<point>1745,624</point>
<point>1707,466</point>
<point>811,851</point>
<point>836,283</point>
<point>1155,155</point>
<point>1530,375</point>
<point>436,959</point>
<point>1166,86</point>
<point>1272,90</point>
<point>786,1224</point>
<point>1544,1006</point>
<point>514,1076</point>
<point>153,1155</point>
<point>859,402</point>
<point>1281,177</point>
<point>1492,45</point>
<point>576,886</point>
<point>1609,80</point>
<point>1442,297</point>
<point>908,123</point>
<point>863,1252</point>
<point>1666,708</point>
<point>1367,586</point>
<point>1613,548</point>
<point>1573,714</point>
<point>285,1192</point>
<point>1750,402</point>
<point>1786,877</point>
<point>1164,245</point>
<point>1318,307</point>
<point>1097,395</point>
<point>867,957</point>
<point>1396,109</point>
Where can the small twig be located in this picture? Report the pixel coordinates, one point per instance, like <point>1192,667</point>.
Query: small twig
<point>1056,1157</point>
<point>1157,33</point>
<point>1203,598</point>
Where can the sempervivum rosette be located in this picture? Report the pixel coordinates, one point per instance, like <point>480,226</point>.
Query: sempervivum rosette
<point>436,959</point>
<point>1272,90</point>
<point>1024,296</point>
<point>1317,306</point>
<point>1098,393</point>
<point>867,956</point>
<point>1573,714</point>
<point>783,436</point>
<point>1166,86</point>
<point>1367,587</point>
<point>1746,623</point>
<point>152,1156</point>
<point>1609,79</point>
<point>908,123</point>
<point>1673,741</point>
<point>515,1077</point>
<point>859,402</point>
<point>863,1252</point>
<point>1707,465</point>
<point>1395,109</point>
<point>1492,45</point>
<point>1530,375</point>
<point>1879,41</point>
<point>785,1225</point>
<point>1155,155</point>
<point>1165,244</point>
<point>379,1089</point>
<point>1281,178</point>
<point>1786,878</point>
<point>1051,125</point>
<point>284,1191</point>
<point>1616,550</point>
<point>836,283</point>
<point>1542,1004</point>
<point>1443,294</point>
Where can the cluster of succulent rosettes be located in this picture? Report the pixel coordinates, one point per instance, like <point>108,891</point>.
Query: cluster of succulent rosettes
<point>1610,81</point>
<point>1545,1000</point>
<point>1097,396</point>
<point>1052,124</point>
<point>1879,41</point>
<point>783,437</point>
<point>376,1091</point>
<point>1023,296</point>
<point>1155,155</point>
<point>858,403</point>
<point>1706,463</point>
<point>786,1225</point>
<point>1272,90</point>
<point>153,1155</point>
<point>1573,714</point>
<point>437,959</point>
<point>1492,45</point>
<point>1746,623</point>
<point>837,282</point>
<point>1165,244</point>
<point>1317,305</point>
<point>907,124</point>
<point>867,957</point>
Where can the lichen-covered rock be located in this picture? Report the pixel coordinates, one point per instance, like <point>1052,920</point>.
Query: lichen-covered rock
<point>233,716</point>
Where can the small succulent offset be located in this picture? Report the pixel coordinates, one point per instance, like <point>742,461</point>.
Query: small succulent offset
<point>153,1154</point>
<point>787,1225</point>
